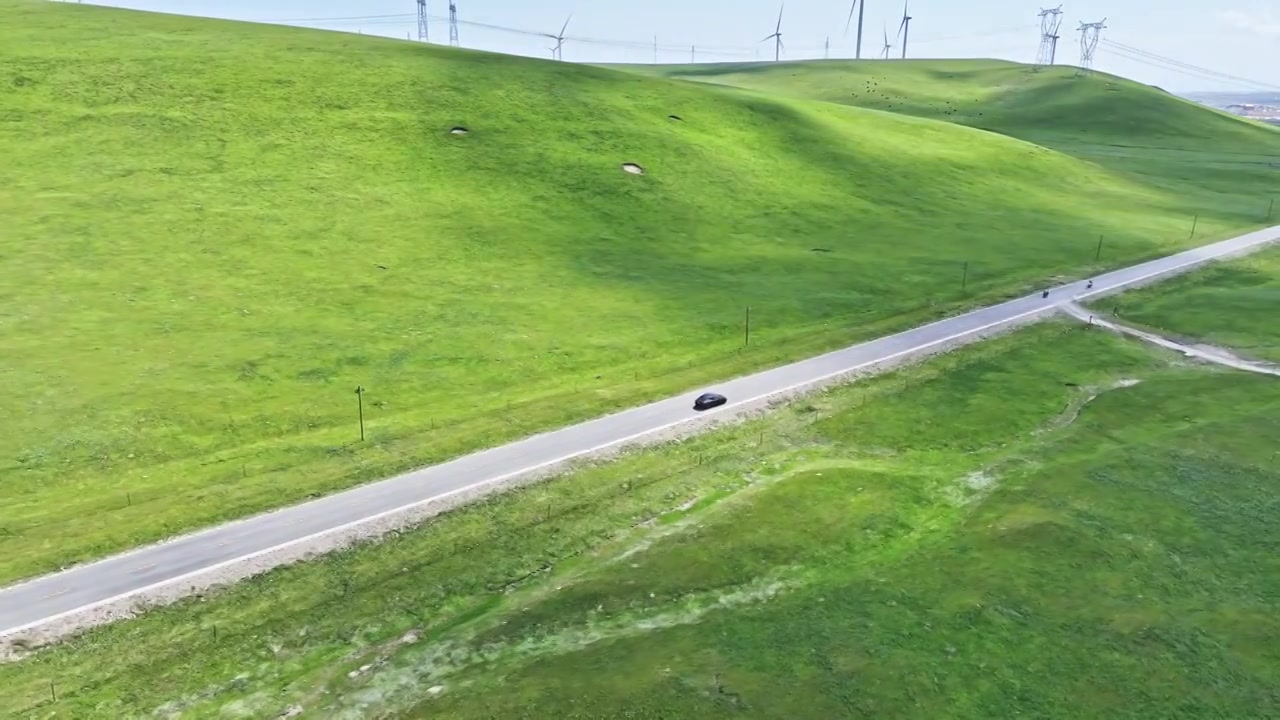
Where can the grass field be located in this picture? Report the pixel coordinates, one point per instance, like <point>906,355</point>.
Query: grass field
<point>1234,304</point>
<point>996,95</point>
<point>1127,127</point>
<point>1016,529</point>
<point>214,232</point>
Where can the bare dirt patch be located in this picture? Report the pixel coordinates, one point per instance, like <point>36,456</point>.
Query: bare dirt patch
<point>1077,404</point>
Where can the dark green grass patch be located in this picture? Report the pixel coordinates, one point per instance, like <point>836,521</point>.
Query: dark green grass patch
<point>1059,543</point>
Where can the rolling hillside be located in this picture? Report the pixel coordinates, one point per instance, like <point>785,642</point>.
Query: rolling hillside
<point>1126,126</point>
<point>1006,97</point>
<point>214,232</point>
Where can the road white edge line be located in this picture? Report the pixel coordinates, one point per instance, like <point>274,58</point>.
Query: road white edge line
<point>1046,309</point>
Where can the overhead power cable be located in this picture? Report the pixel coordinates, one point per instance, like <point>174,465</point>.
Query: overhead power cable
<point>970,36</point>
<point>1130,57</point>
<point>738,51</point>
<point>408,17</point>
<point>1143,56</point>
<point>1118,49</point>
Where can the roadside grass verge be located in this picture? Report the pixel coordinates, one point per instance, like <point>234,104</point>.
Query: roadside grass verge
<point>1233,304</point>
<point>1014,526</point>
<point>271,217</point>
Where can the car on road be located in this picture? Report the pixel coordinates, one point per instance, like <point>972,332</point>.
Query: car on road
<point>706,401</point>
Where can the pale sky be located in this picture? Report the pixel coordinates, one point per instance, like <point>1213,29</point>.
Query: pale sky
<point>1238,38</point>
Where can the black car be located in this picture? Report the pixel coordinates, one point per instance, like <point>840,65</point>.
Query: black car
<point>706,401</point>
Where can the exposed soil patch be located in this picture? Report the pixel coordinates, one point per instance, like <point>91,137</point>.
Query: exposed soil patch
<point>970,488</point>
<point>1077,404</point>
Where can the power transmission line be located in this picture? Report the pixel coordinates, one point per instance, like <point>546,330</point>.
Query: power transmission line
<point>1050,22</point>
<point>1019,29</point>
<point>702,51</point>
<point>1210,77</point>
<point>1111,47</point>
<point>400,16</point>
<point>1090,33</point>
<point>1150,58</point>
<point>1157,65</point>
<point>453,25</point>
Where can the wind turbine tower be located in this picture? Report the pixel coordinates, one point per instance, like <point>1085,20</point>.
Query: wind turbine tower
<point>861,7</point>
<point>776,37</point>
<point>904,28</point>
<point>453,24</point>
<point>1050,21</point>
<point>423,36</point>
<point>1089,35</point>
<point>557,52</point>
<point>884,53</point>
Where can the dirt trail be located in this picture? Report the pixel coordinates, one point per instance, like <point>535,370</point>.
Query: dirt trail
<point>1209,353</point>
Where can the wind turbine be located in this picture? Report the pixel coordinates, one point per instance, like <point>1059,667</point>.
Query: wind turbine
<point>557,52</point>
<point>861,7</point>
<point>904,28</point>
<point>884,52</point>
<point>777,36</point>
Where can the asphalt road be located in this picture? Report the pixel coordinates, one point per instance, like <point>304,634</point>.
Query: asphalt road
<point>35,602</point>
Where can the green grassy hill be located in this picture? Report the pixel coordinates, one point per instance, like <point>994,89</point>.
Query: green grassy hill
<point>997,95</point>
<point>1124,125</point>
<point>215,231</point>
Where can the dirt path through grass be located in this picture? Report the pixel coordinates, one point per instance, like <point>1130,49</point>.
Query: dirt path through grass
<point>1202,351</point>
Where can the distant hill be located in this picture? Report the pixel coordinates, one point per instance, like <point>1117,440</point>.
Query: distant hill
<point>1044,105</point>
<point>1223,99</point>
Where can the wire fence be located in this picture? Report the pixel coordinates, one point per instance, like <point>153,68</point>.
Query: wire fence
<point>394,582</point>
<point>346,580</point>
<point>394,587</point>
<point>746,338</point>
